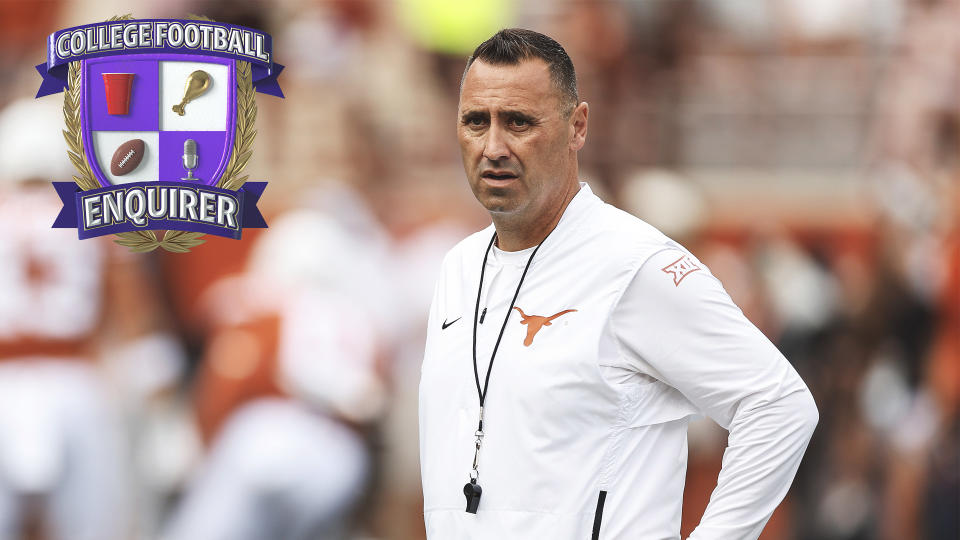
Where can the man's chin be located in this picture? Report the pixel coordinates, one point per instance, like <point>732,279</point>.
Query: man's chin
<point>496,199</point>
<point>499,204</point>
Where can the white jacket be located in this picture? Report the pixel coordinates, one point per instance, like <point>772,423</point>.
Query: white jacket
<point>620,336</point>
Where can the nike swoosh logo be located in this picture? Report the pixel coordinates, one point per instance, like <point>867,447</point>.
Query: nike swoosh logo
<point>446,324</point>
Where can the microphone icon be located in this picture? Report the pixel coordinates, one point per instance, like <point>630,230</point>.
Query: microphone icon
<point>189,158</point>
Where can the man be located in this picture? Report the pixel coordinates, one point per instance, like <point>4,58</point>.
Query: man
<point>569,343</point>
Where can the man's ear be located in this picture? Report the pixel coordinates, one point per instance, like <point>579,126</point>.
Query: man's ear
<point>578,126</point>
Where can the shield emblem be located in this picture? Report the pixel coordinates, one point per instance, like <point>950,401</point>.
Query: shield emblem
<point>159,120</point>
<point>130,98</point>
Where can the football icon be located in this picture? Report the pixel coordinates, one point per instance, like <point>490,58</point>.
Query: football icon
<point>127,157</point>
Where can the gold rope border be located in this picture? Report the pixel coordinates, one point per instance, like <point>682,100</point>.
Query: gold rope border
<point>172,241</point>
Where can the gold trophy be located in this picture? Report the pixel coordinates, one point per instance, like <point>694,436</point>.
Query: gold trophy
<point>197,83</point>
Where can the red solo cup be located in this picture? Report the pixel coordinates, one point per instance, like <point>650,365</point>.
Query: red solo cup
<point>117,87</point>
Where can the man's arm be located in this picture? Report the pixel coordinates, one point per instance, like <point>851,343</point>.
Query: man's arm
<point>678,325</point>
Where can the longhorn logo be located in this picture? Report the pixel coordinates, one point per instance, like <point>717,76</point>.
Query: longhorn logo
<point>536,322</point>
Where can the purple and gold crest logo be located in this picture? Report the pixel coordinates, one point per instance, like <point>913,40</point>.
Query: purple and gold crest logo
<point>159,124</point>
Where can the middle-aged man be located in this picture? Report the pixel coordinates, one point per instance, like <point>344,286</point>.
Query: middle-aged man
<point>569,344</point>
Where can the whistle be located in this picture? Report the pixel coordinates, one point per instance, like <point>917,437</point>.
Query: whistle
<point>472,492</point>
<point>197,83</point>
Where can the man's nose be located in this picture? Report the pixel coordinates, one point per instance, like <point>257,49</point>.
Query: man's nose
<point>495,147</point>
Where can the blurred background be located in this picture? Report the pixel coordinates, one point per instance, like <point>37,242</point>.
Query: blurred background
<point>807,150</point>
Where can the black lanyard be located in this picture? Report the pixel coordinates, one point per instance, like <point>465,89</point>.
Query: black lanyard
<point>472,489</point>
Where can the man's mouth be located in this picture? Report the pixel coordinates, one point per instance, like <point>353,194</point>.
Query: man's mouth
<point>498,175</point>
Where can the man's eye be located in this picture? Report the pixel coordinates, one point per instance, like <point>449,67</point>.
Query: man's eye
<point>520,122</point>
<point>475,121</point>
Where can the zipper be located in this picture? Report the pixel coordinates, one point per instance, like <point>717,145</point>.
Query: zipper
<point>598,516</point>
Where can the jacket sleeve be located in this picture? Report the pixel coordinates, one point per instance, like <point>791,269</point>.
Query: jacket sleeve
<point>676,323</point>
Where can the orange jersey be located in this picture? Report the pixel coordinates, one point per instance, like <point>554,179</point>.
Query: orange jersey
<point>239,366</point>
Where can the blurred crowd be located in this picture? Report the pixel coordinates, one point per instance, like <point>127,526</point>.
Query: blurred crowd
<point>808,151</point>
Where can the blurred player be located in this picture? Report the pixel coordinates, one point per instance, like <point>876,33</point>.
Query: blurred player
<point>289,383</point>
<point>62,458</point>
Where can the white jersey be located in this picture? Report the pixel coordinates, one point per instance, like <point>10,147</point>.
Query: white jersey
<point>618,337</point>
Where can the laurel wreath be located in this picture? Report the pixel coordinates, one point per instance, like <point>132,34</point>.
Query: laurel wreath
<point>172,241</point>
